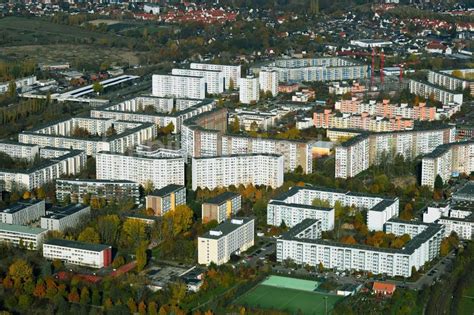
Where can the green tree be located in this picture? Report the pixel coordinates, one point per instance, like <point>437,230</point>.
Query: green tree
<point>108,228</point>
<point>85,296</point>
<point>438,184</point>
<point>97,87</point>
<point>141,256</point>
<point>235,126</point>
<point>11,92</point>
<point>89,235</point>
<point>133,232</point>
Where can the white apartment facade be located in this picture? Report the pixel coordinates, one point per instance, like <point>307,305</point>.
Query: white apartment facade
<point>140,169</point>
<point>223,171</point>
<point>69,163</point>
<point>61,135</point>
<point>232,236</point>
<point>447,80</point>
<point>19,150</point>
<point>249,91</point>
<point>308,249</point>
<point>78,253</point>
<point>179,86</point>
<point>231,73</point>
<point>427,89</point>
<point>295,205</point>
<point>213,79</point>
<point>16,235</point>
<point>352,157</point>
<point>268,81</point>
<point>446,160</point>
<point>23,212</point>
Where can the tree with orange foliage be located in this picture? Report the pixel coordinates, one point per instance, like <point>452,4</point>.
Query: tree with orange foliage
<point>348,240</point>
<point>40,289</point>
<point>73,296</point>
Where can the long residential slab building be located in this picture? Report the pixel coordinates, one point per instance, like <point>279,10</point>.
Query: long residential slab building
<point>303,245</point>
<point>295,205</point>
<point>244,169</point>
<point>102,135</point>
<point>365,149</point>
<point>161,171</point>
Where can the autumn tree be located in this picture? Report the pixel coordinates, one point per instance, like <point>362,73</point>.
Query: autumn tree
<point>132,305</point>
<point>235,126</point>
<point>89,235</point>
<point>407,213</point>
<point>97,87</point>
<point>141,256</point>
<point>133,232</point>
<point>20,272</point>
<point>73,296</point>
<point>108,228</point>
<point>180,219</point>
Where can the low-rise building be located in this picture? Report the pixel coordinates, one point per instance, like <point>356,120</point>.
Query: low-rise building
<point>78,253</point>
<point>221,207</point>
<point>230,237</point>
<point>23,212</point>
<point>21,236</point>
<point>166,199</point>
<point>60,219</point>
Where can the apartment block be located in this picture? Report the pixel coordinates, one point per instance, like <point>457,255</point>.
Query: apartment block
<point>60,219</point>
<point>161,171</point>
<point>303,247</point>
<point>62,162</point>
<point>23,212</point>
<point>102,135</point>
<point>78,253</point>
<point>365,149</point>
<point>179,86</point>
<point>19,235</point>
<point>447,160</point>
<point>319,69</point>
<point>441,94</point>
<point>20,83</point>
<point>295,205</point>
<point>223,171</point>
<point>232,236</point>
<point>221,207</point>
<point>166,199</point>
<point>352,157</point>
<point>447,80</point>
<point>110,190</point>
<point>231,73</point>
<point>213,79</point>
<point>296,153</point>
<point>328,119</point>
<point>249,92</point>
<point>167,110</point>
<point>19,150</point>
<point>268,80</point>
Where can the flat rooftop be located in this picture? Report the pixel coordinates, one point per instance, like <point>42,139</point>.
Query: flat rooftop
<point>21,229</point>
<point>226,227</point>
<point>60,213</point>
<point>220,199</point>
<point>20,205</point>
<point>78,245</point>
<point>165,191</point>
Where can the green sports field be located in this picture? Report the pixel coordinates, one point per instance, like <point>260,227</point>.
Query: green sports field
<point>272,294</point>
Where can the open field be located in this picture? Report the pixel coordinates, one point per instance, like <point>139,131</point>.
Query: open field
<point>283,296</point>
<point>466,305</point>
<point>67,52</point>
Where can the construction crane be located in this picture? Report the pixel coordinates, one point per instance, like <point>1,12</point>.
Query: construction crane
<point>403,65</point>
<point>372,54</point>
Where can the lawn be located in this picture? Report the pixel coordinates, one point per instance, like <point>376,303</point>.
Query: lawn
<point>466,305</point>
<point>285,299</point>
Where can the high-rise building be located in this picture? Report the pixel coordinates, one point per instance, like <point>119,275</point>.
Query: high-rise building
<point>232,236</point>
<point>214,79</point>
<point>160,171</point>
<point>223,171</point>
<point>268,80</point>
<point>231,73</point>
<point>249,91</point>
<point>179,86</point>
